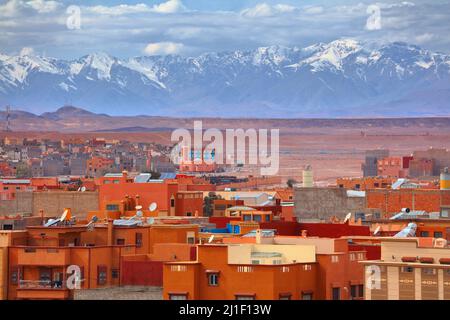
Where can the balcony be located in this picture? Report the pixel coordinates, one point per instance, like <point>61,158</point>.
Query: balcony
<point>36,289</point>
<point>31,256</point>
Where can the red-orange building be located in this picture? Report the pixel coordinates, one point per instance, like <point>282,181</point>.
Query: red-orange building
<point>390,201</point>
<point>269,268</point>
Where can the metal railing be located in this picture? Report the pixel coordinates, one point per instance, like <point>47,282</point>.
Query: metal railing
<point>41,284</point>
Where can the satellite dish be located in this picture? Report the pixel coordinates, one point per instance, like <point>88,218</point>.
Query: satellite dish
<point>94,219</point>
<point>347,217</point>
<point>211,239</point>
<point>64,215</point>
<point>377,230</point>
<point>138,208</point>
<point>83,189</point>
<point>153,207</point>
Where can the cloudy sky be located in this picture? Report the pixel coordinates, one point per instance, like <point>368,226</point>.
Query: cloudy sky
<point>70,29</point>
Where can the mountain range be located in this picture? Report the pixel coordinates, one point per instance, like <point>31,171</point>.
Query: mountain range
<point>341,79</point>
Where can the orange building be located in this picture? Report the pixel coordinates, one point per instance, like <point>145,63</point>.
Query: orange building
<point>391,167</point>
<point>365,183</point>
<point>96,165</point>
<point>393,201</point>
<point>268,268</point>
<point>9,187</point>
<point>38,263</point>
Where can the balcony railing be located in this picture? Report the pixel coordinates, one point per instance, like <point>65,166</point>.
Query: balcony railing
<point>41,284</point>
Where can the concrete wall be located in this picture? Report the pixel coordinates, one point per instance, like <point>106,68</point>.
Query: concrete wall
<point>21,204</point>
<point>323,203</point>
<point>120,293</point>
<point>54,202</point>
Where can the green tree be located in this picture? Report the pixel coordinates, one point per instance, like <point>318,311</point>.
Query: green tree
<point>208,203</point>
<point>291,183</point>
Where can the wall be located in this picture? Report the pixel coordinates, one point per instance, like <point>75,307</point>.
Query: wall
<point>142,273</point>
<point>3,272</point>
<point>21,204</point>
<point>120,293</point>
<point>392,201</point>
<point>54,202</point>
<point>323,203</point>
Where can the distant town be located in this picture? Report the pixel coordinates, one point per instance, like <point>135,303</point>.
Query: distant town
<point>111,219</point>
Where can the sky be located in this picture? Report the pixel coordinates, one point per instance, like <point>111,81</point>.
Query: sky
<point>71,29</point>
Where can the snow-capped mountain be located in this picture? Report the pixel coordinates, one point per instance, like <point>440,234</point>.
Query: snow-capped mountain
<point>337,79</point>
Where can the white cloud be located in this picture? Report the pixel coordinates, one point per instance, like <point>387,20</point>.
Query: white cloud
<point>260,10</point>
<point>163,48</point>
<point>313,9</point>
<point>424,38</point>
<point>13,8</point>
<point>171,6</point>
<point>43,6</point>
<point>284,8</point>
<point>119,9</point>
<point>266,10</point>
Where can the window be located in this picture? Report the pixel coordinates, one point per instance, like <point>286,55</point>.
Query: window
<point>334,259</point>
<point>213,279</point>
<point>353,292</point>
<point>357,186</point>
<point>120,242</point>
<point>102,275</point>
<point>285,296</point>
<point>255,261</point>
<point>245,297</point>
<point>177,296</point>
<point>138,240</point>
<point>257,218</point>
<point>247,217</point>
<point>407,269</point>
<point>360,290</point>
<point>307,296</point>
<point>267,217</point>
<point>438,234</point>
<point>360,216</point>
<point>172,203</point>
<point>336,293</point>
<point>115,273</point>
<point>15,275</point>
<point>429,271</point>
<point>112,207</point>
<point>424,234</point>
<point>45,274</point>
<point>352,257</point>
<point>307,267</point>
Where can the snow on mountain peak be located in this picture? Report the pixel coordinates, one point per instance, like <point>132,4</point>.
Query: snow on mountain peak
<point>342,74</point>
<point>333,54</point>
<point>101,62</point>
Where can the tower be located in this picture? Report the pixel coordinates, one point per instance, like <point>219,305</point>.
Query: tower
<point>8,119</point>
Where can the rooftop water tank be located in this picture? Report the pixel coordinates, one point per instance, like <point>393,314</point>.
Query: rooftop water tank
<point>308,180</point>
<point>445,180</point>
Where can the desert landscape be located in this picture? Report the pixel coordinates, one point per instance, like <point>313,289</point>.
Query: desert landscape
<point>334,147</point>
